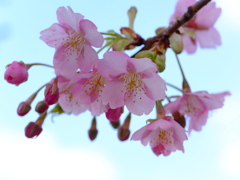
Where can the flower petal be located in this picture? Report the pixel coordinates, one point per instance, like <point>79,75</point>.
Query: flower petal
<point>89,29</point>
<point>68,19</point>
<point>208,38</point>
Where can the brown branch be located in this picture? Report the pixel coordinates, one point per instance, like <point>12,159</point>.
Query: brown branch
<point>192,10</point>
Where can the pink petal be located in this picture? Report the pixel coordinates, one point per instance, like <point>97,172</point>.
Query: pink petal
<point>208,38</point>
<point>141,134</point>
<point>143,64</point>
<point>54,36</point>
<point>161,123</point>
<point>88,58</point>
<point>68,19</point>
<point>155,87</point>
<point>114,63</point>
<point>198,121</point>
<point>208,15</point>
<point>188,44</point>
<point>139,104</point>
<point>173,106</point>
<point>182,6</point>
<point>112,94</point>
<point>89,29</point>
<point>65,64</point>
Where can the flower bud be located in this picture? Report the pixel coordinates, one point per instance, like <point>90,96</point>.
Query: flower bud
<point>16,73</point>
<point>158,59</point>
<point>114,114</point>
<point>92,132</point>
<point>23,108</point>
<point>41,107</point>
<point>176,43</point>
<point>33,129</point>
<point>51,92</point>
<point>131,16</point>
<point>179,118</point>
<point>123,131</point>
<point>115,124</point>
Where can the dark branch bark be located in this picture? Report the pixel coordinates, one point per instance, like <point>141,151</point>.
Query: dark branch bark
<point>192,10</point>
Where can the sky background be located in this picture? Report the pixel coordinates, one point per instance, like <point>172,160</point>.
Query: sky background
<point>63,150</point>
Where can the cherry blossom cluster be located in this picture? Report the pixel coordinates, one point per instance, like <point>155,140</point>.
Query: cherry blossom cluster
<point>115,82</point>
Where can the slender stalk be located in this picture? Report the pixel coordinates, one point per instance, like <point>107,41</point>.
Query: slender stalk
<point>180,66</point>
<point>174,87</point>
<point>39,64</point>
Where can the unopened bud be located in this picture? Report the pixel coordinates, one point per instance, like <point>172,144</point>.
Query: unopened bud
<point>123,131</point>
<point>176,43</point>
<point>41,107</point>
<point>115,124</point>
<point>23,108</point>
<point>131,16</point>
<point>92,132</point>
<point>159,30</point>
<point>179,118</point>
<point>114,114</point>
<point>185,86</point>
<point>51,92</point>
<point>33,129</point>
<point>16,73</point>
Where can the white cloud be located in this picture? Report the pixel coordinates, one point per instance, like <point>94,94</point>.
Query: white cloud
<point>24,159</point>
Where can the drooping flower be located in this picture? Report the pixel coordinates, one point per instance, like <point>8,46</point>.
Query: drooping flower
<point>132,82</point>
<point>200,30</point>
<point>16,73</point>
<point>164,136</point>
<point>73,37</point>
<point>196,107</point>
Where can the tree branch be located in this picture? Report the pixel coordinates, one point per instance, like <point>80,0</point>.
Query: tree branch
<point>192,10</point>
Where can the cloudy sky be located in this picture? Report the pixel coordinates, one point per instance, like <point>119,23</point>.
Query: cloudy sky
<point>63,150</point>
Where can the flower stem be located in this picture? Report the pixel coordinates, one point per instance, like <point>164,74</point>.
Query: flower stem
<point>39,64</point>
<point>174,87</point>
<point>180,66</point>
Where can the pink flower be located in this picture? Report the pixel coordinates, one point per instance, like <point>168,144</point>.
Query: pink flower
<point>164,136</point>
<point>66,100</point>
<point>196,106</point>
<point>132,82</point>
<point>16,73</point>
<point>200,29</point>
<point>87,89</point>
<point>73,38</point>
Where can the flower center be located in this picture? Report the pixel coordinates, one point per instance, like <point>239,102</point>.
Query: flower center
<point>133,85</point>
<point>94,85</point>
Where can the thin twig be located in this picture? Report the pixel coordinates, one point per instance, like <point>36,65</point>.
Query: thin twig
<point>192,10</point>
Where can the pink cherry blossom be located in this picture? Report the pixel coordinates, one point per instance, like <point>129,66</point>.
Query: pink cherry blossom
<point>200,29</point>
<point>196,106</point>
<point>164,136</point>
<point>88,88</point>
<point>16,73</point>
<point>132,82</point>
<point>66,100</point>
<point>73,37</point>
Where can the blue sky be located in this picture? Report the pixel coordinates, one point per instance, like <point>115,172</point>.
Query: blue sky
<point>63,150</point>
